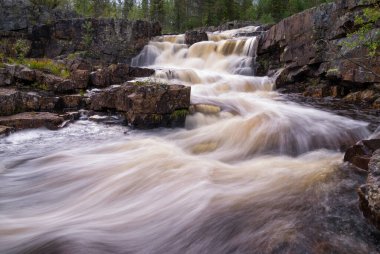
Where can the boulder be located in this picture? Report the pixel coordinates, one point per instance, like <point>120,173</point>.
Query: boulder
<point>369,194</point>
<point>360,153</point>
<point>145,106</point>
<point>28,120</point>
<point>192,37</point>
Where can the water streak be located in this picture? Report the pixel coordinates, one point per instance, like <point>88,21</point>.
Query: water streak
<point>250,173</point>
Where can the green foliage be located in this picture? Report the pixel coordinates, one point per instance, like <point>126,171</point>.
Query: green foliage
<point>365,35</point>
<point>156,118</point>
<point>182,15</point>
<point>40,86</point>
<point>88,33</point>
<point>45,65</point>
<point>21,48</point>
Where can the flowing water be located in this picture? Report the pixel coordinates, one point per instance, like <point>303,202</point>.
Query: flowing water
<point>250,173</point>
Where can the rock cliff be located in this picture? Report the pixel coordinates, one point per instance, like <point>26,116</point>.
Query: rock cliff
<point>308,49</point>
<point>55,32</point>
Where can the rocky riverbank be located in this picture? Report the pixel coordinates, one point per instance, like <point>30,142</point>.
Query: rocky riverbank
<point>53,62</point>
<point>308,54</point>
<point>31,98</point>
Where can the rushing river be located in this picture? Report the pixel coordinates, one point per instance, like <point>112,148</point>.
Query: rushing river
<point>250,173</point>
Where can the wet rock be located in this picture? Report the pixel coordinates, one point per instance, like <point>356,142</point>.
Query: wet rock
<point>369,194</point>
<point>5,130</point>
<point>360,154</point>
<point>192,37</point>
<point>361,96</point>
<point>28,120</point>
<point>137,72</point>
<point>205,109</point>
<point>145,106</point>
<point>376,103</point>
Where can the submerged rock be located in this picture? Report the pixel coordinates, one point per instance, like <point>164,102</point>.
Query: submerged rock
<point>192,37</point>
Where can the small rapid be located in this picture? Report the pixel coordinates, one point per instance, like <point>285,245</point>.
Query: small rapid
<point>251,172</point>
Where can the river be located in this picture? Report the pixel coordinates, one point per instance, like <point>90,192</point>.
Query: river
<point>251,172</point>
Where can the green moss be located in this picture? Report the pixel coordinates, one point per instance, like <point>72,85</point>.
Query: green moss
<point>157,118</point>
<point>180,113</point>
<point>40,86</point>
<point>46,65</point>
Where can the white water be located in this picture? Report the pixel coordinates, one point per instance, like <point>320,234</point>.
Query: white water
<point>250,173</point>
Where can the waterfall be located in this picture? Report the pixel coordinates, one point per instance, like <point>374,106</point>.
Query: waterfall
<point>252,172</point>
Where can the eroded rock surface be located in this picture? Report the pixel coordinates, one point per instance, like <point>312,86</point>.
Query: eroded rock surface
<point>145,106</point>
<point>369,193</point>
<point>28,120</point>
<point>309,49</point>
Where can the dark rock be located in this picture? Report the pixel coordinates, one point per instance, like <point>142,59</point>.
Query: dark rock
<point>110,40</point>
<point>25,74</point>
<point>137,72</point>
<point>192,37</point>
<point>360,153</point>
<point>308,46</point>
<point>81,78</point>
<point>145,106</point>
<point>32,120</point>
<point>8,101</point>
<point>73,101</point>
<point>100,78</point>
<point>117,74</point>
<point>5,130</point>
<point>369,194</point>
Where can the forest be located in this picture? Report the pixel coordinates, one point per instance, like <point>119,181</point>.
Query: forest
<point>181,15</point>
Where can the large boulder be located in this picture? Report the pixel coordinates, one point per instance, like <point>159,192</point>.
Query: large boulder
<point>145,106</point>
<point>369,194</point>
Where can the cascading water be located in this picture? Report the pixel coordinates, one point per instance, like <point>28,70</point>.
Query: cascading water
<point>250,173</point>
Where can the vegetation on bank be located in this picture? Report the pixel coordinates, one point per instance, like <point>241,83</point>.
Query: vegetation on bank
<point>182,15</point>
<point>42,64</point>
